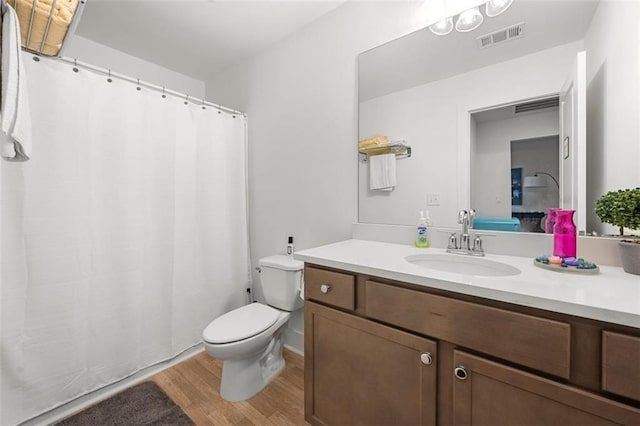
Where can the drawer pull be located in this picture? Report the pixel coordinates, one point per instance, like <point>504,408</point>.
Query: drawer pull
<point>324,288</point>
<point>426,358</point>
<point>461,373</point>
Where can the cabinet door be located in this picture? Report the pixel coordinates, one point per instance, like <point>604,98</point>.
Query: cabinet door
<point>358,372</point>
<point>489,393</point>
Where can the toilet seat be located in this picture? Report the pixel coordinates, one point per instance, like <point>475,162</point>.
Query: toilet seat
<point>239,324</point>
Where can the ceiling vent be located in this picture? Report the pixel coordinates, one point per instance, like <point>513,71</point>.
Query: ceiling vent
<point>497,37</point>
<point>537,105</point>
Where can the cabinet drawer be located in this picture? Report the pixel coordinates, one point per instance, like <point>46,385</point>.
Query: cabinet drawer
<point>534,342</point>
<point>333,288</point>
<point>621,364</point>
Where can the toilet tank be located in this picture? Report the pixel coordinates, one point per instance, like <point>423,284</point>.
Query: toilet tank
<point>281,279</point>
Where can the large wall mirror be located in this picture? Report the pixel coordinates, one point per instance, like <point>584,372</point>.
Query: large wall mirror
<point>536,108</point>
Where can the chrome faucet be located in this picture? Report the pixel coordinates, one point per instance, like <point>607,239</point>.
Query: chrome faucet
<point>463,244</point>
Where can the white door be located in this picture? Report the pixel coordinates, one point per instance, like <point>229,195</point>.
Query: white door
<point>573,142</point>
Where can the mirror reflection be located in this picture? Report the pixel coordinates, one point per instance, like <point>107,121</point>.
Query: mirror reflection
<point>509,127</point>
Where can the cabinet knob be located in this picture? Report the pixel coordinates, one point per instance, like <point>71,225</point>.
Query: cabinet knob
<point>426,358</point>
<point>324,288</point>
<point>461,373</point>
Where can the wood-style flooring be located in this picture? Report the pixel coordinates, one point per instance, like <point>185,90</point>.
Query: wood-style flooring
<point>195,383</point>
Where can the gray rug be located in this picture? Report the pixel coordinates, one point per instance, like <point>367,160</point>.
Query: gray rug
<point>143,404</point>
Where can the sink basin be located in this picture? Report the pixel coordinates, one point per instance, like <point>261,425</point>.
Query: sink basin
<point>461,264</point>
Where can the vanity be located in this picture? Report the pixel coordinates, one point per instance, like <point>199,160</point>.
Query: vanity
<point>392,340</point>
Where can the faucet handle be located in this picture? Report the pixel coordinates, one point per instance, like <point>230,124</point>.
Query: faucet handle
<point>453,241</point>
<point>472,215</point>
<point>477,245</point>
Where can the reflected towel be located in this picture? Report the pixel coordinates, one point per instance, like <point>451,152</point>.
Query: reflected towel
<point>60,19</point>
<point>15,119</point>
<point>382,172</point>
<point>373,142</point>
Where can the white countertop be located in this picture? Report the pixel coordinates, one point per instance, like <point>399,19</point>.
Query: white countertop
<point>611,295</point>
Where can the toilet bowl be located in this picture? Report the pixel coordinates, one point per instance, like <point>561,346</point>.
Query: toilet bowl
<point>250,339</point>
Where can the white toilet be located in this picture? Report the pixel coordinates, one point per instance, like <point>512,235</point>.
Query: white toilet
<point>250,339</point>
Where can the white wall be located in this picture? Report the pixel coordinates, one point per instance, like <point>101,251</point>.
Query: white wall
<point>434,119</point>
<point>613,107</point>
<point>491,180</point>
<point>93,53</point>
<point>301,98</point>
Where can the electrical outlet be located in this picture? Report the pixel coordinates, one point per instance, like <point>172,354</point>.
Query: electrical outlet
<point>433,199</point>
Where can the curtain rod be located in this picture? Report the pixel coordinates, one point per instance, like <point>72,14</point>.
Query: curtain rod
<point>138,82</point>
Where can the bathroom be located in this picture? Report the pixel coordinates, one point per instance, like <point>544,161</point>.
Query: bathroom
<point>300,96</point>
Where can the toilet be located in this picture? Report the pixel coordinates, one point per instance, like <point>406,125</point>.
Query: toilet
<point>250,339</point>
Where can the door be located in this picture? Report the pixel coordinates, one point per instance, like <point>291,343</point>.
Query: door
<point>489,393</point>
<point>358,372</point>
<point>573,142</point>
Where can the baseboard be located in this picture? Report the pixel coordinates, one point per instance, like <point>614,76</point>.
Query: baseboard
<point>78,404</point>
<point>294,341</point>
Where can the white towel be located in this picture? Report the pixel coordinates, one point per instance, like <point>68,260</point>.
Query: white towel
<point>382,172</point>
<point>15,119</point>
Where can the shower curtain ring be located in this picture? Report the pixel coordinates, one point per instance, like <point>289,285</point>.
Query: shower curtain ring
<point>138,88</point>
<point>203,107</point>
<point>186,100</point>
<point>75,65</point>
<point>163,95</point>
<point>109,78</point>
<point>219,110</point>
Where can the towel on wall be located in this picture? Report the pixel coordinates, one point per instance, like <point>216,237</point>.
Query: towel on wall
<point>15,119</point>
<point>382,172</point>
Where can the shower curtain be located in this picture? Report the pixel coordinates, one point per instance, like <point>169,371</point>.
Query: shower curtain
<point>122,238</point>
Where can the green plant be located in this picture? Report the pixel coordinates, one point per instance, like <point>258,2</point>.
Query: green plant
<point>620,208</point>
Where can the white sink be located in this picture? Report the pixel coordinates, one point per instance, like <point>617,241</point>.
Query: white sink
<point>463,264</point>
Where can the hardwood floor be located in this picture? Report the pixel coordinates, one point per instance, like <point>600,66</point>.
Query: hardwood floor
<point>194,385</point>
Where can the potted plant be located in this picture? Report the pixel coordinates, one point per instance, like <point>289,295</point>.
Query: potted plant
<point>622,208</point>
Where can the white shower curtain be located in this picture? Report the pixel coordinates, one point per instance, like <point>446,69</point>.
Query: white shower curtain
<point>121,239</point>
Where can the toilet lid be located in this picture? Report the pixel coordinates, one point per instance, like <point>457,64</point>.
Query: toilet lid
<point>240,323</point>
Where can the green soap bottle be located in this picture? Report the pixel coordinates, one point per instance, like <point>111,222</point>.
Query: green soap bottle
<point>422,239</point>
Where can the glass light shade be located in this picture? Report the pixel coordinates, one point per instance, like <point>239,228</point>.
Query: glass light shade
<point>496,7</point>
<point>443,27</point>
<point>534,182</point>
<point>469,20</point>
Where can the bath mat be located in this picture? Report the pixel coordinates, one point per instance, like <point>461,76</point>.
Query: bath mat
<point>143,404</point>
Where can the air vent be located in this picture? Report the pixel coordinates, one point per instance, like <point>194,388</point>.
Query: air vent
<point>497,37</point>
<point>537,105</point>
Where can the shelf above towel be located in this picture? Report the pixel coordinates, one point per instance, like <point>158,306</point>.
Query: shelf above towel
<point>400,149</point>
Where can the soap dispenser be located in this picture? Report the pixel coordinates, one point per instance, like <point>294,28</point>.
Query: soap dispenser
<point>422,239</point>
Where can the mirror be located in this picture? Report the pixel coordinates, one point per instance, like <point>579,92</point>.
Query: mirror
<point>453,99</point>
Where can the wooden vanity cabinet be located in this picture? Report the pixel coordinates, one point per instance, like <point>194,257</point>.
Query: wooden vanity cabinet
<point>358,372</point>
<point>491,393</point>
<point>490,363</point>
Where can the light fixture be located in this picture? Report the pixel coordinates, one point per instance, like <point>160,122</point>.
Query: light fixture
<point>442,27</point>
<point>469,20</point>
<point>496,7</point>
<point>536,181</point>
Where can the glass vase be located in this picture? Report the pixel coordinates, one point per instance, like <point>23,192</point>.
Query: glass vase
<point>564,234</point>
<point>551,220</point>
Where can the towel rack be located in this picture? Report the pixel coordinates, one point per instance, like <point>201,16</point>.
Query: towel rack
<point>399,148</point>
<point>46,24</point>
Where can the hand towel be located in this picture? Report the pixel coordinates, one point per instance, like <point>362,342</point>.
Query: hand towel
<point>15,119</point>
<point>382,172</point>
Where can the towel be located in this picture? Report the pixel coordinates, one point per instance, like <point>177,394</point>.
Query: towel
<point>373,142</point>
<point>60,19</point>
<point>382,172</point>
<point>15,119</point>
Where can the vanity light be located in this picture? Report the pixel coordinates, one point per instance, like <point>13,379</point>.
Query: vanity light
<point>469,20</point>
<point>443,27</point>
<point>496,7</point>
